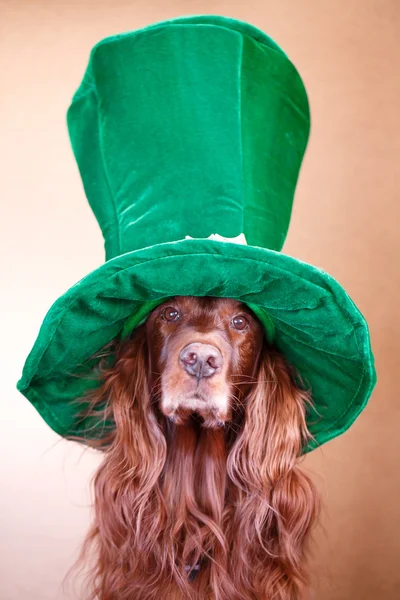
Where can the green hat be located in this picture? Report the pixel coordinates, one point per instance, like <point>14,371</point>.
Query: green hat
<point>189,136</point>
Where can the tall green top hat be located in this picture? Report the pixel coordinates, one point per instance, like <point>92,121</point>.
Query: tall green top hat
<point>189,136</point>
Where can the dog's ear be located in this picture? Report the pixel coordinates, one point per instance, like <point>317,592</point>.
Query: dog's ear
<point>276,413</point>
<point>122,396</point>
<point>280,501</point>
<point>128,387</point>
<point>126,504</point>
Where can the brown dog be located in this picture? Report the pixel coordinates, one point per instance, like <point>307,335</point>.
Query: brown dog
<point>199,494</point>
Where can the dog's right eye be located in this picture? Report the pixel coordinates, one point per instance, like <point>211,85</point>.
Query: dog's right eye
<point>170,314</point>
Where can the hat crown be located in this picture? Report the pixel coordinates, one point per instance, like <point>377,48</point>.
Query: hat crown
<point>190,127</point>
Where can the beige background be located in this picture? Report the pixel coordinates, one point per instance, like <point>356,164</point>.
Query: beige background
<point>345,220</point>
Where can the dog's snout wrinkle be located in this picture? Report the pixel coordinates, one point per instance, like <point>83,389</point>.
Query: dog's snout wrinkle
<point>201,360</point>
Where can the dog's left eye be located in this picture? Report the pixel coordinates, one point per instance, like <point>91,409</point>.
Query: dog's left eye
<point>240,322</point>
<point>170,314</point>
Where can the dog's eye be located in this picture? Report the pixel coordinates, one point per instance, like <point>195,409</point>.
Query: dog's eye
<point>170,314</point>
<point>240,322</point>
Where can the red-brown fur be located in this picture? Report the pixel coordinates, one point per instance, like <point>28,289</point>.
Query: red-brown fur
<point>174,488</point>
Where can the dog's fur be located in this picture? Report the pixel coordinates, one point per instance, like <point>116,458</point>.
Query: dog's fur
<point>201,465</point>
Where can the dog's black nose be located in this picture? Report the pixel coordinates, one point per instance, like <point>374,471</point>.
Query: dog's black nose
<point>201,360</point>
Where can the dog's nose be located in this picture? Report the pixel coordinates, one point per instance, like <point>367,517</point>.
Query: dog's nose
<point>201,360</point>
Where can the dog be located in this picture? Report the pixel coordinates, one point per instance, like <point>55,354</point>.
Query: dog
<point>199,494</point>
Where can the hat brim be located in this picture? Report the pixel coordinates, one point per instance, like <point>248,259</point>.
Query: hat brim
<point>317,325</point>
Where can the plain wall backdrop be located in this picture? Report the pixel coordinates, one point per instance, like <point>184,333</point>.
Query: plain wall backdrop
<point>345,221</point>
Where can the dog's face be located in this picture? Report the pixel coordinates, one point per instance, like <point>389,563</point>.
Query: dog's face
<point>203,352</point>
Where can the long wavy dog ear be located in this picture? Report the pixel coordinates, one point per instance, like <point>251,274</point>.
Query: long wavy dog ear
<point>122,377</point>
<point>279,501</point>
<point>126,502</point>
<point>137,430</point>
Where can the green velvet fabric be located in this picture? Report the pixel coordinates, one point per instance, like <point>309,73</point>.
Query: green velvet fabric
<point>188,128</point>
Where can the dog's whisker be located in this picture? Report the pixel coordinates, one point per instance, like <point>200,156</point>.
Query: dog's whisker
<point>254,381</point>
<point>238,400</point>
